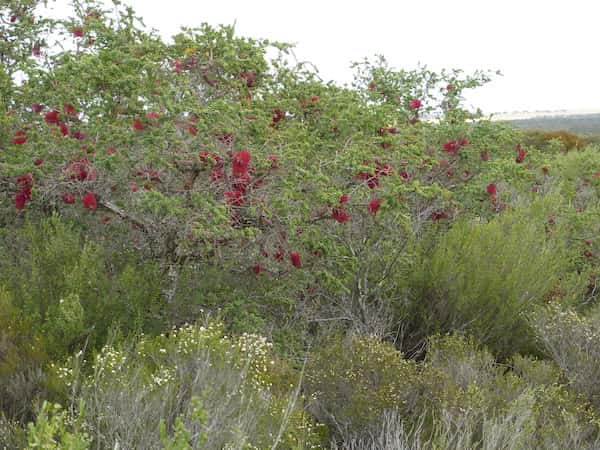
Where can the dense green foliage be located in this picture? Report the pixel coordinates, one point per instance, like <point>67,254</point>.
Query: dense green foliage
<point>206,246</point>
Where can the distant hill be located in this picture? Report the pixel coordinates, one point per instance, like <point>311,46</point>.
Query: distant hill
<point>585,124</point>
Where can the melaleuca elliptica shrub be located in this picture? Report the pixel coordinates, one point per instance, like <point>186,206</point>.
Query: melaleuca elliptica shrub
<point>483,278</point>
<point>219,391</point>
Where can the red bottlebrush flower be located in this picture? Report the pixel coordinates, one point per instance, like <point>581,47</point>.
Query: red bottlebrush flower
<point>64,129</point>
<point>449,87</point>
<point>279,254</point>
<point>240,162</point>
<point>491,189</point>
<point>133,187</point>
<point>485,155</point>
<point>80,169</point>
<point>258,268</point>
<point>405,175</point>
<point>89,201</point>
<point>68,198</point>
<point>137,125</point>
<point>152,115</point>
<point>25,179</point>
<point>19,138</point>
<point>374,206</point>
<point>520,156</point>
<point>340,215</point>
<point>216,174</point>
<point>226,138</point>
<point>13,18</point>
<point>371,180</point>
<point>314,98</point>
<point>452,147</point>
<point>235,198</point>
<point>545,170</point>
<point>415,104</point>
<point>193,130</point>
<point>439,215</point>
<point>249,77</point>
<point>344,198</point>
<point>69,109</point>
<point>78,135</point>
<point>77,32</point>
<point>278,115</point>
<point>37,108</point>
<point>111,150</point>
<point>392,130</point>
<point>36,50</point>
<point>38,162</point>
<point>20,200</point>
<point>51,117</point>
<point>463,141</point>
<point>296,259</point>
<point>177,66</point>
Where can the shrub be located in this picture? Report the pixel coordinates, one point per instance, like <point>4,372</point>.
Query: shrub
<point>482,278</point>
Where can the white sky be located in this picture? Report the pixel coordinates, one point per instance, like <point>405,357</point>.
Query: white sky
<point>547,50</point>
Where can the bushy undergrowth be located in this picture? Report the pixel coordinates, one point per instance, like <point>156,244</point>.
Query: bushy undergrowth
<point>374,279</point>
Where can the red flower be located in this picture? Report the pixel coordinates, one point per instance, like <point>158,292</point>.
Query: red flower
<point>344,199</point>
<point>491,189</point>
<point>240,162</point>
<point>452,147</point>
<point>588,254</point>
<point>80,169</point>
<point>520,154</point>
<point>439,215</point>
<point>485,155</point>
<point>69,109</point>
<point>133,187</point>
<point>450,87</point>
<point>340,215</point>
<point>374,205</point>
<point>137,125</point>
<point>68,198</point>
<point>111,150</point>
<point>249,77</point>
<point>177,66</point>
<point>314,98</point>
<point>278,115</point>
<point>20,138</point>
<point>64,129</point>
<point>462,142</point>
<point>404,175</point>
<point>20,200</point>
<point>38,162</point>
<point>89,201</point>
<point>36,108</point>
<point>226,138</point>
<point>278,255</point>
<point>295,259</point>
<point>371,180</point>
<point>77,32</point>
<point>192,130</point>
<point>235,198</point>
<point>257,268</point>
<point>51,117</point>
<point>415,104</point>
<point>152,115</point>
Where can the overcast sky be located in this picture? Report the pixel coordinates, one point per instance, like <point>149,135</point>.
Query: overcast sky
<point>547,50</point>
